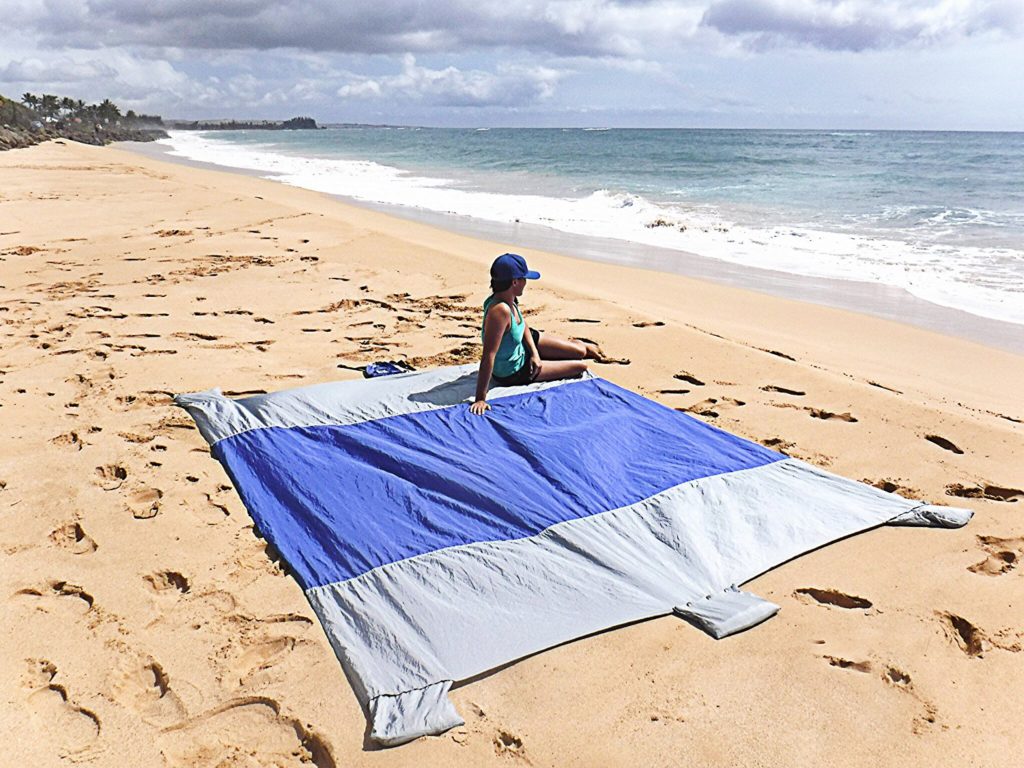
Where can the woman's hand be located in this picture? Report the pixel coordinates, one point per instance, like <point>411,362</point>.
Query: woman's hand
<point>479,407</point>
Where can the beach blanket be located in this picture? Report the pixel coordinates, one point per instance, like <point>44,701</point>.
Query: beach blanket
<point>435,545</point>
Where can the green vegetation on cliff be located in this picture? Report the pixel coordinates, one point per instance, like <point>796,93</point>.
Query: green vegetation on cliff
<point>39,118</point>
<point>292,124</point>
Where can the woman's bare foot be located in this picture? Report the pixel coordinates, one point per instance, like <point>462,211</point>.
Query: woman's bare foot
<point>595,353</point>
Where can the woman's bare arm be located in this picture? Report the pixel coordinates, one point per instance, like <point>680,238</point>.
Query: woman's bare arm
<point>495,323</point>
<point>534,352</point>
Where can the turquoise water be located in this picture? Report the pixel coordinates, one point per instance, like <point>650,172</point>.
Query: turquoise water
<point>938,214</point>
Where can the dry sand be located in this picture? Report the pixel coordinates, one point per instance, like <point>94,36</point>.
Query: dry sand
<point>145,625</point>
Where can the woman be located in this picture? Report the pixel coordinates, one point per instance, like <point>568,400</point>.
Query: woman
<point>513,353</point>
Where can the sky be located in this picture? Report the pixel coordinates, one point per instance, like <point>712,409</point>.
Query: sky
<point>900,64</point>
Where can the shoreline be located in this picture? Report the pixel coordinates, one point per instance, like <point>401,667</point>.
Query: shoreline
<point>147,617</point>
<point>865,298</point>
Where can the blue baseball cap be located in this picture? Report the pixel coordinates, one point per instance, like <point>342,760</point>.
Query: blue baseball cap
<point>511,266</point>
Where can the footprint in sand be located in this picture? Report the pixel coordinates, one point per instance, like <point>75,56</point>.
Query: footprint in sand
<point>173,422</point>
<point>689,378</point>
<point>832,597</point>
<point>508,744</point>
<point>899,680</point>
<point>261,655</point>
<point>894,678</point>
<point>776,352</point>
<point>988,492</point>
<point>649,324</point>
<point>179,606</point>
<point>943,443</point>
<point>144,686</point>
<point>70,440</point>
<point>703,408</point>
<point>39,674</point>
<point>250,731</point>
<point>194,336</point>
<point>820,413</point>
<point>972,640</point>
<point>288,618</point>
<point>144,503</point>
<point>146,398</point>
<point>213,512</point>
<point>111,476</point>
<point>167,582</point>
<point>778,444</point>
<point>783,390</point>
<point>894,486</point>
<point>1003,555</point>
<point>856,666</point>
<point>57,595</point>
<point>967,637</point>
<point>712,405</point>
<point>72,727</point>
<point>887,389</point>
<point>74,539</point>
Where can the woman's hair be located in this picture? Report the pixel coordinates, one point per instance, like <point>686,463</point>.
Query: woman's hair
<point>497,286</point>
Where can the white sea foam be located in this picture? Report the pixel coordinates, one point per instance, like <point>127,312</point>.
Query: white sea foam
<point>982,281</point>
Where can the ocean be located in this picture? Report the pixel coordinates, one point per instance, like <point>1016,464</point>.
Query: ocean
<point>939,215</point>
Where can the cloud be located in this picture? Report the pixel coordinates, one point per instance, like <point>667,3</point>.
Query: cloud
<point>628,29</point>
<point>508,87</point>
<point>132,80</point>
<point>857,25</point>
<point>488,60</point>
<point>558,27</point>
<point>62,69</point>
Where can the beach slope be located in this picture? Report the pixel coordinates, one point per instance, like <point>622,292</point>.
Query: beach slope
<point>145,623</point>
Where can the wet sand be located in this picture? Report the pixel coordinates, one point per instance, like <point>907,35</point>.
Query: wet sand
<point>885,301</point>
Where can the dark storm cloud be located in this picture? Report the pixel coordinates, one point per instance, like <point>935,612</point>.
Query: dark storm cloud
<point>358,26</point>
<point>857,25</point>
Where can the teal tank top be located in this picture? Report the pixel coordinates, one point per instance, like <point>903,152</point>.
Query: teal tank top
<point>511,354</point>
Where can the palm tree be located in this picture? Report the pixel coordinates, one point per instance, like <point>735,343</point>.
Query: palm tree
<point>48,105</point>
<point>108,110</point>
<point>30,100</point>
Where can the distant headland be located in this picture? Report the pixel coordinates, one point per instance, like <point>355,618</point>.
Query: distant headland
<point>293,124</point>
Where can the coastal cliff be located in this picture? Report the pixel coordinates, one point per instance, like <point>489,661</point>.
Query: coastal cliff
<point>24,127</point>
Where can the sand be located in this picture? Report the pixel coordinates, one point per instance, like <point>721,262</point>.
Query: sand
<point>145,624</point>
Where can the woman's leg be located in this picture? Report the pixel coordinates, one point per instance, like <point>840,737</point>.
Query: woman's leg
<point>552,370</point>
<point>554,348</point>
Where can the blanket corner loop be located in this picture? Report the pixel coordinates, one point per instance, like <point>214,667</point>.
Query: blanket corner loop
<point>399,718</point>
<point>728,612</point>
